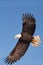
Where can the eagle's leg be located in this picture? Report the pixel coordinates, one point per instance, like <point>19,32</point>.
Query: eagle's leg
<point>36,41</point>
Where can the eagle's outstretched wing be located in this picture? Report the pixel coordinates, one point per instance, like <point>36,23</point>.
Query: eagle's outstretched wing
<point>17,52</point>
<point>24,42</point>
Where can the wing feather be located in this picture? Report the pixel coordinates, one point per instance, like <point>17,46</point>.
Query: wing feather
<point>17,52</point>
<point>29,24</point>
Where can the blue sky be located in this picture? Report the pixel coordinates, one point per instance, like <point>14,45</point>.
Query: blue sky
<point>11,24</point>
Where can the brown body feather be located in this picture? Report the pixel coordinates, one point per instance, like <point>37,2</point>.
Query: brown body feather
<point>29,25</point>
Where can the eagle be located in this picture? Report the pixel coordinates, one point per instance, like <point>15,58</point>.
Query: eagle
<point>24,39</point>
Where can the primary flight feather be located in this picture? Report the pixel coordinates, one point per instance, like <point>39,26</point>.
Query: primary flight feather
<point>26,36</point>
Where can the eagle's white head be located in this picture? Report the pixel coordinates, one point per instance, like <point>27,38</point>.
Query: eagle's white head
<point>17,36</point>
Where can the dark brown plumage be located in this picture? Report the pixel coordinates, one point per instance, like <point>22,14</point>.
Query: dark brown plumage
<point>29,25</point>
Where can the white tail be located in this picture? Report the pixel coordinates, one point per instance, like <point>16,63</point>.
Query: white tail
<point>36,41</point>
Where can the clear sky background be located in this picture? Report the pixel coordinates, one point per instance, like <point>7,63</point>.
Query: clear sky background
<point>11,24</point>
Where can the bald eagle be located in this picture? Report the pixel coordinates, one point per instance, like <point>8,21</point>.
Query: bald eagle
<point>25,38</point>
